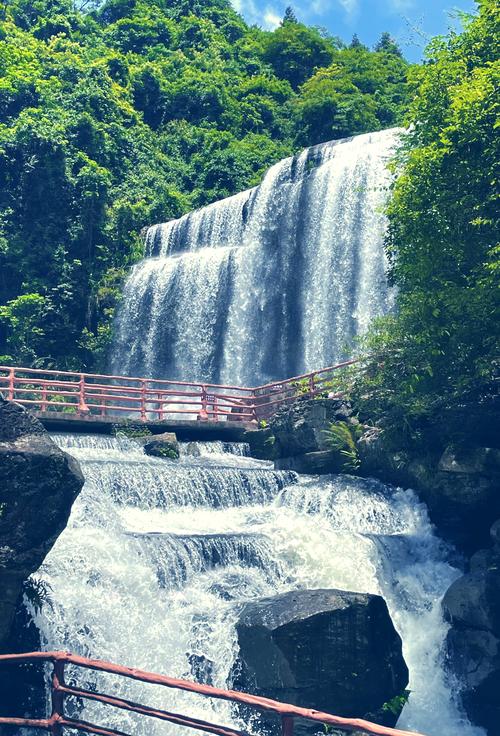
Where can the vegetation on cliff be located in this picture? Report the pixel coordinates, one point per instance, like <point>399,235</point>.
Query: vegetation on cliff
<point>135,113</point>
<point>436,358</point>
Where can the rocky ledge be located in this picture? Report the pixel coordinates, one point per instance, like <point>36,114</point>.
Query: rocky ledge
<point>472,606</point>
<point>329,650</point>
<point>38,484</point>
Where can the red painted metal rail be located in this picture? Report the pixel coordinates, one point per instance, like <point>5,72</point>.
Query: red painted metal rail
<point>58,721</point>
<point>87,395</point>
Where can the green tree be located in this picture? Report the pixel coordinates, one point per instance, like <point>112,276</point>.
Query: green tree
<point>295,51</point>
<point>437,357</point>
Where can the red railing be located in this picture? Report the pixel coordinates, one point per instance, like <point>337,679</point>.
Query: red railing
<point>58,721</point>
<point>87,395</point>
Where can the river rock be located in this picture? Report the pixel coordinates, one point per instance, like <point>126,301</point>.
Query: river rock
<point>161,445</point>
<point>261,442</point>
<point>38,484</point>
<point>329,650</point>
<point>472,606</point>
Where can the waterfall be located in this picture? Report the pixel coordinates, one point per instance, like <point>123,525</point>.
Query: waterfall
<point>159,554</point>
<point>269,283</point>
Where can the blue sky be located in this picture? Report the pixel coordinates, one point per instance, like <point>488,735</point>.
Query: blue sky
<point>411,22</point>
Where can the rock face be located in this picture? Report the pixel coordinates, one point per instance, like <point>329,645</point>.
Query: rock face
<point>295,438</point>
<point>300,427</point>
<point>472,606</point>
<point>38,484</point>
<point>325,649</point>
<point>163,444</point>
<point>456,485</point>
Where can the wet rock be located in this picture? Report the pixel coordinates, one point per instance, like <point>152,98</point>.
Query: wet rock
<point>38,484</point>
<point>472,606</point>
<point>320,462</point>
<point>455,485</point>
<point>161,445</point>
<point>261,442</point>
<point>324,649</point>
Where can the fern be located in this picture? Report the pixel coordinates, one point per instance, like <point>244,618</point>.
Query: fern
<point>340,437</point>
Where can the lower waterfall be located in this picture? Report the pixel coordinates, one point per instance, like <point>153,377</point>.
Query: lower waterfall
<point>158,554</point>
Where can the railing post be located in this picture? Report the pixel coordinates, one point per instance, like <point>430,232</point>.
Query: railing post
<point>10,394</point>
<point>143,399</point>
<point>254,418</point>
<point>43,406</point>
<point>160,406</point>
<point>57,697</point>
<point>203,415</point>
<point>287,726</point>
<point>82,406</point>
<point>311,383</point>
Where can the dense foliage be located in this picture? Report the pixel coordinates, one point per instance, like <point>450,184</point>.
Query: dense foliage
<point>437,357</point>
<point>134,113</point>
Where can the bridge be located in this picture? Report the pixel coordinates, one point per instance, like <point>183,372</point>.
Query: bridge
<point>285,713</point>
<point>93,402</point>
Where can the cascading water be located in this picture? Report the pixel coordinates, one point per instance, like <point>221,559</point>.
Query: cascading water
<point>270,283</point>
<point>158,555</point>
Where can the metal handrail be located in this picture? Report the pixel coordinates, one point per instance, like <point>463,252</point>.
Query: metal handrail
<point>58,721</point>
<point>86,394</point>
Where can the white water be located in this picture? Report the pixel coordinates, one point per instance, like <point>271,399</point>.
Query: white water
<point>157,556</point>
<point>269,283</point>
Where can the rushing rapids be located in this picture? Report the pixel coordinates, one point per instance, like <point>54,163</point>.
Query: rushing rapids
<point>155,562</point>
<point>269,283</point>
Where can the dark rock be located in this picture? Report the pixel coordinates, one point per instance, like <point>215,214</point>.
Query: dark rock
<point>300,427</point>
<point>495,533</point>
<point>472,606</point>
<point>455,485</point>
<point>38,484</point>
<point>261,442</point>
<point>470,461</point>
<point>325,649</point>
<point>320,462</point>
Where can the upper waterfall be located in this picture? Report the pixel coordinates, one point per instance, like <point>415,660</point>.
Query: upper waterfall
<point>269,283</point>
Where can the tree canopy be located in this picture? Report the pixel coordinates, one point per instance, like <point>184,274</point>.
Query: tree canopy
<point>135,112</point>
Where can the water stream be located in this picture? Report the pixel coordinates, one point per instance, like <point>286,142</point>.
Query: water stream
<point>158,555</point>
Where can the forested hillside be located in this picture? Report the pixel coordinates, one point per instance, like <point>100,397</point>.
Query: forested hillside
<point>135,113</point>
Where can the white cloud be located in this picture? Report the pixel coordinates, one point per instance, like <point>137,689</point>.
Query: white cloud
<point>400,5</point>
<point>350,6</point>
<point>271,19</point>
<point>270,16</point>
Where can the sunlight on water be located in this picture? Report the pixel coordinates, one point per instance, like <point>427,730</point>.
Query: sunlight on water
<point>154,563</point>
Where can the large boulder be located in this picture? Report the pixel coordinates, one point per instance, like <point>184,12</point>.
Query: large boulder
<point>324,649</point>
<point>38,484</point>
<point>472,606</point>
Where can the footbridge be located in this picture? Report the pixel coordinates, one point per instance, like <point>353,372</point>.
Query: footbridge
<point>93,402</point>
